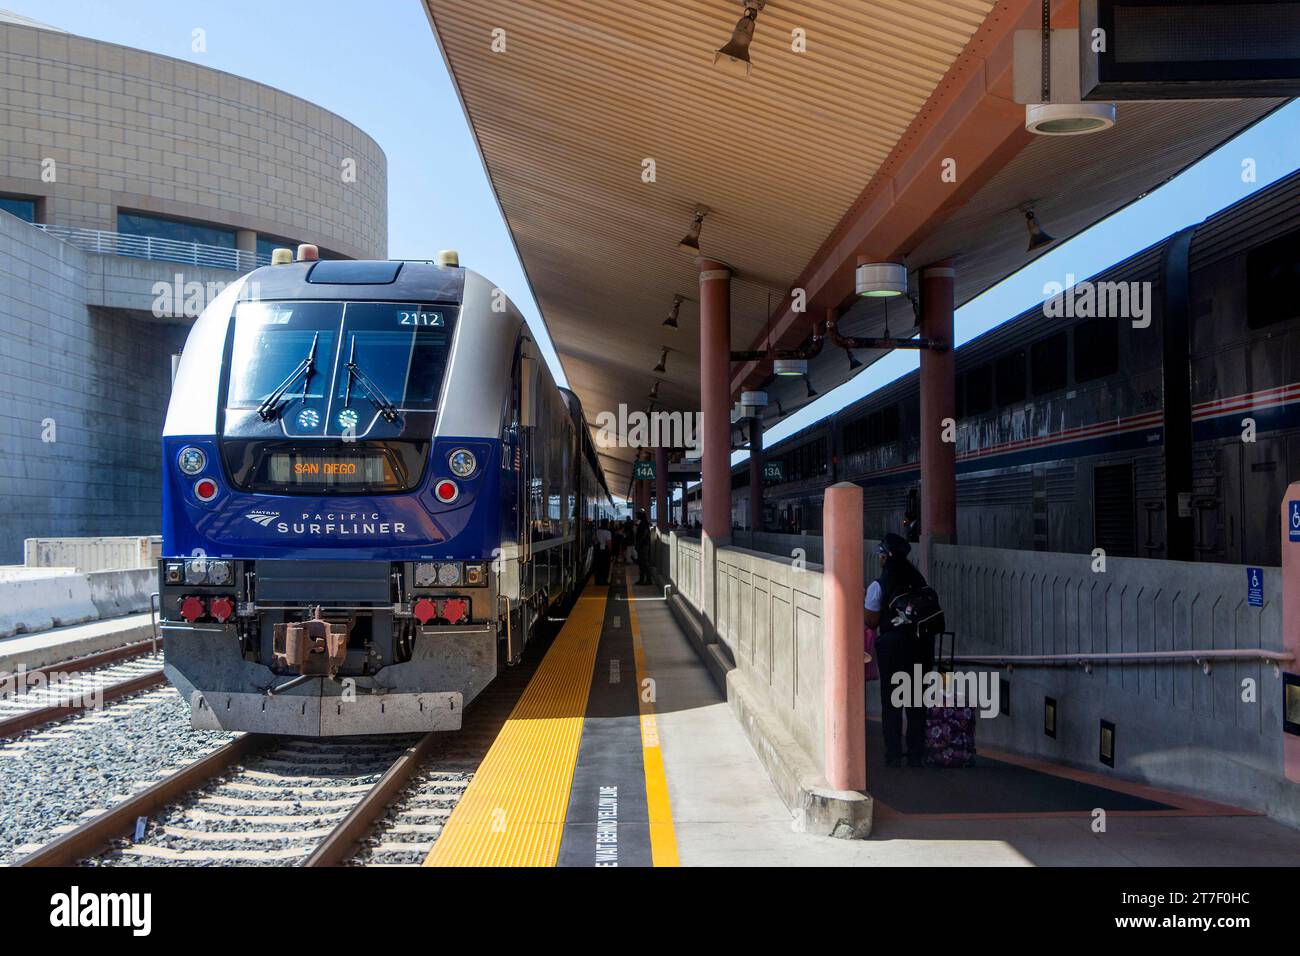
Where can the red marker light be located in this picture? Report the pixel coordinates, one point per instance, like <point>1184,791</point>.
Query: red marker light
<point>205,489</point>
<point>192,608</point>
<point>221,608</point>
<point>446,491</point>
<point>425,610</point>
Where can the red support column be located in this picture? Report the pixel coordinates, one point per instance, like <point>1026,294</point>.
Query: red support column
<point>756,474</point>
<point>938,404</point>
<point>842,599</point>
<point>661,487</point>
<point>715,398</point>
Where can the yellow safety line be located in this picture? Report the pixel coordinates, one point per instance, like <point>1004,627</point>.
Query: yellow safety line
<point>512,812</point>
<point>663,836</point>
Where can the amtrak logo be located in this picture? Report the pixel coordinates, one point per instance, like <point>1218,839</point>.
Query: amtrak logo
<point>332,524</point>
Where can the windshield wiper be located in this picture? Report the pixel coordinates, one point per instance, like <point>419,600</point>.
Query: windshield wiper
<point>377,398</point>
<point>267,410</point>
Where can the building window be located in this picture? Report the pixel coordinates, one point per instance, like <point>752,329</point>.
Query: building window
<point>268,244</point>
<point>21,206</point>
<point>176,230</point>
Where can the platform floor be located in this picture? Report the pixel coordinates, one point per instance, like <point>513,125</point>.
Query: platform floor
<point>647,766</point>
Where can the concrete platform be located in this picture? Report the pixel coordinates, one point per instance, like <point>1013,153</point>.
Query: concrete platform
<point>77,640</point>
<point>1008,812</point>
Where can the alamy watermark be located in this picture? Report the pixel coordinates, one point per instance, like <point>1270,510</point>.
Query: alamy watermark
<point>637,429</point>
<point>1099,300</point>
<point>979,689</point>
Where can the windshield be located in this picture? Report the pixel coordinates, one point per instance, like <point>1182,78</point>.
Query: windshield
<point>370,359</point>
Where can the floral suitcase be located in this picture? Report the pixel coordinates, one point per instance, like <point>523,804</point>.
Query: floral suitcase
<point>949,730</point>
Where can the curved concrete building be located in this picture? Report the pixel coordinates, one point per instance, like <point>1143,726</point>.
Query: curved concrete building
<point>133,188</point>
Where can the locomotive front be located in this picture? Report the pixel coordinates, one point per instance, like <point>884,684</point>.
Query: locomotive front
<point>332,499</point>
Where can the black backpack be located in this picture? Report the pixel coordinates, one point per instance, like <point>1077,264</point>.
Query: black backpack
<point>919,606</point>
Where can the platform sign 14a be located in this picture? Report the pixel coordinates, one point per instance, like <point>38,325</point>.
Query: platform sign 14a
<point>1255,586</point>
<point>643,471</point>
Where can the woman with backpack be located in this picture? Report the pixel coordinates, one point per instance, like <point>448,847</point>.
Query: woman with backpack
<point>898,649</point>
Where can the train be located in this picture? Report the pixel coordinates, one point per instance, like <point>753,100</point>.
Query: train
<point>1168,434</point>
<point>374,496</point>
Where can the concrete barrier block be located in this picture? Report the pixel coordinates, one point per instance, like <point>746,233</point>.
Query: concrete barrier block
<point>116,593</point>
<point>30,603</point>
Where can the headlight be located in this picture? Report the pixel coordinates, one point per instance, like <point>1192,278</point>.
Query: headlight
<point>425,575</point>
<point>462,462</point>
<point>448,575</point>
<point>220,572</point>
<point>196,571</point>
<point>191,460</point>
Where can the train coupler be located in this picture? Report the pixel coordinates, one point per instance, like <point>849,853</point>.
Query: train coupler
<point>314,647</point>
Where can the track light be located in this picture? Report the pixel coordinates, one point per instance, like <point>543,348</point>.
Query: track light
<point>654,392</point>
<point>690,243</point>
<point>881,280</point>
<point>854,364</point>
<point>663,361</point>
<point>671,321</point>
<point>1038,236</point>
<point>812,392</point>
<point>734,56</point>
<point>790,367</point>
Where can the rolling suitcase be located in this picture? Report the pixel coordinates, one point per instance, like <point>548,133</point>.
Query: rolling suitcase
<point>949,729</point>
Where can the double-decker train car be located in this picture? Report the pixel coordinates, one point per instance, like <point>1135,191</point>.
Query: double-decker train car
<point>1061,442</point>
<point>373,491</point>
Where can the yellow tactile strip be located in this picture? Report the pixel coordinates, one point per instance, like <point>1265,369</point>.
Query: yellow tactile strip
<point>663,836</point>
<point>512,813</point>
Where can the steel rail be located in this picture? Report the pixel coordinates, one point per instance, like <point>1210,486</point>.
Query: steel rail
<point>28,720</point>
<point>96,833</point>
<point>342,842</point>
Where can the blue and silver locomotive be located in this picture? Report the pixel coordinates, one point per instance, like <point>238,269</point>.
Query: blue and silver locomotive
<point>373,491</point>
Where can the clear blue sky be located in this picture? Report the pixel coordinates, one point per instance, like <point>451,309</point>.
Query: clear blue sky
<point>377,65</point>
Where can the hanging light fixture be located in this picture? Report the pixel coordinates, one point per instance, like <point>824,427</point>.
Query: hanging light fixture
<point>812,392</point>
<point>654,391</point>
<point>790,367</point>
<point>734,55</point>
<point>671,321</point>
<point>662,367</point>
<point>690,243</point>
<point>854,364</point>
<point>881,280</point>
<point>1038,236</point>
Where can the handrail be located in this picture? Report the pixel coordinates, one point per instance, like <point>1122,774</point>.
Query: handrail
<point>1204,658</point>
<point>156,249</point>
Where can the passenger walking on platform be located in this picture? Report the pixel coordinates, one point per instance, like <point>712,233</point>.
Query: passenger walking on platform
<point>897,649</point>
<point>643,549</point>
<point>604,552</point>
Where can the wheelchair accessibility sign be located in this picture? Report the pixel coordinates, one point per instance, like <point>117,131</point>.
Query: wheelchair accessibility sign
<point>1293,520</point>
<point>1255,587</point>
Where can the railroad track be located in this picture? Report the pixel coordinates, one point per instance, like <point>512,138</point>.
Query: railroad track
<point>262,800</point>
<point>69,688</point>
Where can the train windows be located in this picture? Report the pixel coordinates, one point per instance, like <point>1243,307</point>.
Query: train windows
<point>271,340</point>
<point>403,349</point>
<point>1096,349</point>
<point>1048,363</point>
<point>1272,271</point>
<point>1011,375</point>
<point>889,428</point>
<point>20,206</point>
<point>979,389</point>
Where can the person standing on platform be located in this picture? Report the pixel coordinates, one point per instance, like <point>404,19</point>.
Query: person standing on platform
<point>897,650</point>
<point>643,549</point>
<point>604,552</point>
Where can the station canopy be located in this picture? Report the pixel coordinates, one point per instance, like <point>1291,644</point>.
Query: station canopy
<point>603,124</point>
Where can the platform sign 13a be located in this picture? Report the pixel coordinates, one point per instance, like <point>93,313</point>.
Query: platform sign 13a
<point>1293,520</point>
<point>1255,586</point>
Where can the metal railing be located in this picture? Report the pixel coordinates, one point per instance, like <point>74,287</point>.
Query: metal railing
<point>155,249</point>
<point>1205,659</point>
